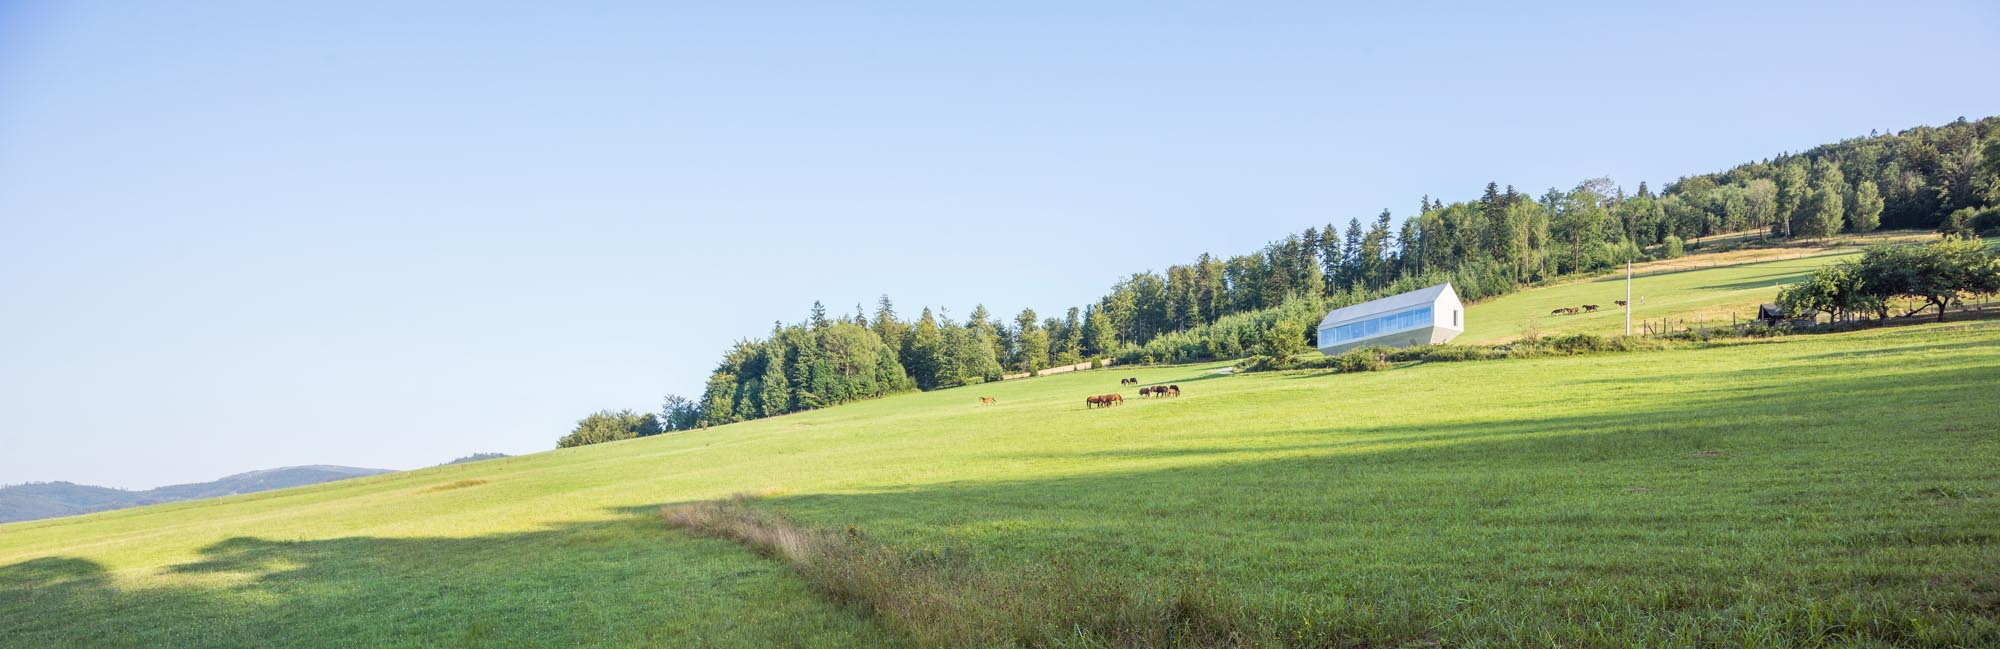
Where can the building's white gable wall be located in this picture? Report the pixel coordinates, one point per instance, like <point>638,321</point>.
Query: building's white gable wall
<point>1447,321</point>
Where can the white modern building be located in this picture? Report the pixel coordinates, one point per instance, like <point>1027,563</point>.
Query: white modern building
<point>1421,317</point>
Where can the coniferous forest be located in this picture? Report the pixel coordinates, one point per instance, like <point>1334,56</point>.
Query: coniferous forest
<point>1268,301</point>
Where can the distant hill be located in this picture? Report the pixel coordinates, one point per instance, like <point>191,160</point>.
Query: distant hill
<point>475,457</point>
<point>51,499</point>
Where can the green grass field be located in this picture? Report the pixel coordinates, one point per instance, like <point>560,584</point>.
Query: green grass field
<point>1826,490</point>
<point>1705,288</point>
<point>1704,294</point>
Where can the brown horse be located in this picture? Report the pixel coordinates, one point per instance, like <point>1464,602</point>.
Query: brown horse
<point>1114,400</point>
<point>1093,401</point>
<point>1571,310</point>
<point>1173,390</point>
<point>1128,381</point>
<point>1619,302</point>
<point>1146,391</point>
<point>1557,312</point>
<point>1590,307</point>
<point>986,401</point>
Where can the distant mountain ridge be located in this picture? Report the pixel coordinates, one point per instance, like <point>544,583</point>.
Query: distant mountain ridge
<point>26,502</point>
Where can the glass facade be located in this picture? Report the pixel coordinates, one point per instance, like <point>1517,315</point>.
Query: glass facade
<point>1376,326</point>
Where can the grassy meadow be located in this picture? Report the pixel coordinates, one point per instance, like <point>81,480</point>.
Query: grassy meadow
<point>1824,490</point>
<point>1730,281</point>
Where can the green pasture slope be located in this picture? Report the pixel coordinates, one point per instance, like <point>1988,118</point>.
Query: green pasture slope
<point>1826,490</point>
<point>1712,290</point>
<point>1707,294</point>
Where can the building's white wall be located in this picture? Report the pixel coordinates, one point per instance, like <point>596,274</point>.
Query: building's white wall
<point>1442,313</point>
<point>1442,327</point>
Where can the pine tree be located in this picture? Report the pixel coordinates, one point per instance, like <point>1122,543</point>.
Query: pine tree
<point>888,328</point>
<point>1350,256</point>
<point>1098,337</point>
<point>921,350</point>
<point>1374,251</point>
<point>1331,260</point>
<point>775,399</point>
<point>718,399</point>
<point>1070,347</point>
<point>1211,296</point>
<point>1033,342</point>
<point>986,331</point>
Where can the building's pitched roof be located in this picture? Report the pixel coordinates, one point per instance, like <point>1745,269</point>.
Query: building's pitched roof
<point>1387,304</point>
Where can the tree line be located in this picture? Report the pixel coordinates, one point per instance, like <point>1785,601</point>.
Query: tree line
<point>1269,301</point>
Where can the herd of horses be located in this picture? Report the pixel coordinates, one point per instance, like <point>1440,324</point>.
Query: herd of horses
<point>1571,310</point>
<point>1115,399</point>
<point>1108,400</point>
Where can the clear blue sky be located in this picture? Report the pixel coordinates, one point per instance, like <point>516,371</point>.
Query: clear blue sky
<point>243,235</point>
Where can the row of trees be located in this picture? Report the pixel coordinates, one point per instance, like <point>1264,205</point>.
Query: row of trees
<point>1932,275</point>
<point>1268,301</point>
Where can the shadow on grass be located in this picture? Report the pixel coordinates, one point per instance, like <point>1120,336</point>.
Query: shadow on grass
<point>619,583</point>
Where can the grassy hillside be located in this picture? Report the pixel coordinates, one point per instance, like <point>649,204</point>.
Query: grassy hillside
<point>1712,287</point>
<point>1834,489</point>
<point>49,499</point>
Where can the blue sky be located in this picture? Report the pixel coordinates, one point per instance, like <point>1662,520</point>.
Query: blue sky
<point>243,235</point>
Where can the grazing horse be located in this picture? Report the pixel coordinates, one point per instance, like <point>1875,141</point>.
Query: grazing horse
<point>1146,391</point>
<point>1590,307</point>
<point>1173,390</point>
<point>986,401</point>
<point>1093,401</point>
<point>1113,400</point>
<point>1128,381</point>
<point>1619,303</point>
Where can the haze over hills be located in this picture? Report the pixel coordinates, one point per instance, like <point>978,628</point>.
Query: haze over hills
<point>51,499</point>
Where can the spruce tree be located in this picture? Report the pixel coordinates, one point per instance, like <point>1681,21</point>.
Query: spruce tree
<point>1070,347</point>
<point>1098,337</point>
<point>776,399</point>
<point>1350,256</point>
<point>1033,342</point>
<point>886,327</point>
<point>1331,259</point>
<point>922,349</point>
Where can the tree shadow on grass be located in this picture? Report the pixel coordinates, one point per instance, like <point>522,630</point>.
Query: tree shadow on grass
<point>618,583</point>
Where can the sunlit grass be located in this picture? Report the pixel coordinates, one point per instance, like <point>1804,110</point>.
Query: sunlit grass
<point>1832,489</point>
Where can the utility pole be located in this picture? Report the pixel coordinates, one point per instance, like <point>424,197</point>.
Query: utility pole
<point>1628,298</point>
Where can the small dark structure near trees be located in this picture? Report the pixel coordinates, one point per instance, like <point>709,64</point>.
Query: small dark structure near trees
<point>1771,314</point>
